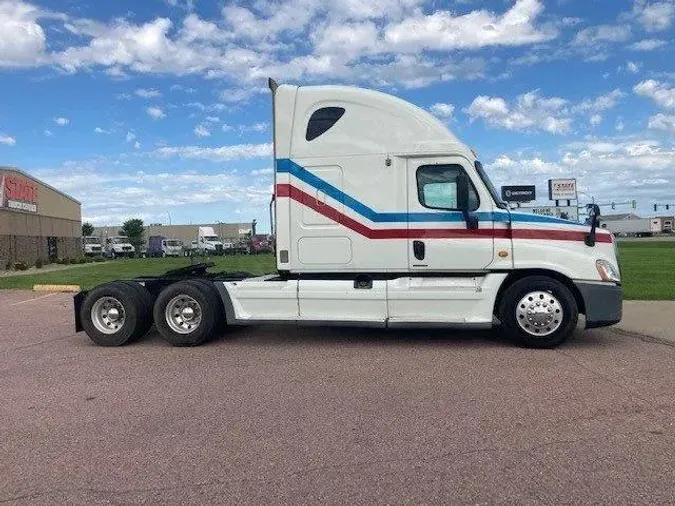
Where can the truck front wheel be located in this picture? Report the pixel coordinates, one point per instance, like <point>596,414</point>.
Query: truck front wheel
<point>538,312</point>
<point>187,314</point>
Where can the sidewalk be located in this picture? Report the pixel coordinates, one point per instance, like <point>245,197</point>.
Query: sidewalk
<point>654,318</point>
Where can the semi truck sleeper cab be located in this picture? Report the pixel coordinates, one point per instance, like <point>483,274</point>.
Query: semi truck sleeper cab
<point>382,217</point>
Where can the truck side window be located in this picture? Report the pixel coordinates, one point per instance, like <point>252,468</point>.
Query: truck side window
<point>322,120</point>
<point>437,187</point>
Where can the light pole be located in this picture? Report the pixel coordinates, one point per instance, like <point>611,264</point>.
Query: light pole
<point>169,215</point>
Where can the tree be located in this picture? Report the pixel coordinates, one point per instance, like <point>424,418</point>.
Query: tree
<point>87,229</point>
<point>134,230</point>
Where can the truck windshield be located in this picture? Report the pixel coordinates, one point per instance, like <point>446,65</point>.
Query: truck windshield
<point>491,188</point>
<point>91,240</point>
<point>173,243</point>
<point>211,238</point>
<point>120,240</point>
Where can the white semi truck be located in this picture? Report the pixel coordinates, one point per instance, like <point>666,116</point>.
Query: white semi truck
<point>92,246</point>
<point>382,218</point>
<point>119,247</point>
<point>208,242</point>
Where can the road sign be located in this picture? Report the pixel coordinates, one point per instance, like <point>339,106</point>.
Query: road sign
<point>519,193</point>
<point>563,212</point>
<point>562,189</point>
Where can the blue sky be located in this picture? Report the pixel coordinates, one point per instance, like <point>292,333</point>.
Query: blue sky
<point>143,108</point>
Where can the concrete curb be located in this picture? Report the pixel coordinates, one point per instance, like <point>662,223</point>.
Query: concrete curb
<point>56,288</point>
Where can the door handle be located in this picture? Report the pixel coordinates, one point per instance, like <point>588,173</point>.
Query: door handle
<point>418,250</point>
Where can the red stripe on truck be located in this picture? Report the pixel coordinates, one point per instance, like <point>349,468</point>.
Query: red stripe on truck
<point>290,191</point>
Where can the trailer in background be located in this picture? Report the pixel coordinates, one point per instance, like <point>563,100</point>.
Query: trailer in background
<point>641,227</point>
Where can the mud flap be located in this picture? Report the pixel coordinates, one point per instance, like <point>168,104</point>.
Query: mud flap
<point>78,300</point>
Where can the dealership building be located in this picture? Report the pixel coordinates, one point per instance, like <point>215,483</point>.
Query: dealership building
<point>37,221</point>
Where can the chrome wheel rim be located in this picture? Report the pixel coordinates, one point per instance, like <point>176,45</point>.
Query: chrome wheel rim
<point>539,313</point>
<point>183,314</point>
<point>108,315</point>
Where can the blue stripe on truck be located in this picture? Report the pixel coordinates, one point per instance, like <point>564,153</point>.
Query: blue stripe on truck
<point>288,166</point>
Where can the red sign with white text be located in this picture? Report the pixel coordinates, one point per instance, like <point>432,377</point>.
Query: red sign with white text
<point>19,193</point>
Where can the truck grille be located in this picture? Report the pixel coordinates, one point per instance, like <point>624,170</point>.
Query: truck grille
<point>96,248</point>
<point>126,248</point>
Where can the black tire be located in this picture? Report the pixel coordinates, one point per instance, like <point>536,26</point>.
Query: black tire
<point>520,289</point>
<point>148,303</point>
<point>211,313</point>
<point>134,309</point>
<point>216,299</point>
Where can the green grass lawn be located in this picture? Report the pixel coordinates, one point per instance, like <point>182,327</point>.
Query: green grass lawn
<point>648,270</point>
<point>91,275</point>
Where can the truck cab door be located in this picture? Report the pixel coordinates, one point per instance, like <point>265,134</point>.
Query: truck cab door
<point>445,233</point>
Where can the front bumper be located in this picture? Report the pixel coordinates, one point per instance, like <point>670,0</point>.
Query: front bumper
<point>602,302</point>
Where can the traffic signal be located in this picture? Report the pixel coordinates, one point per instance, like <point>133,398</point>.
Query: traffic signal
<point>654,207</point>
<point>633,203</point>
<point>667,207</point>
<point>613,206</point>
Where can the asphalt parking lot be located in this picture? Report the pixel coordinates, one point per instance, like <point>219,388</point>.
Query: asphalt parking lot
<point>301,416</point>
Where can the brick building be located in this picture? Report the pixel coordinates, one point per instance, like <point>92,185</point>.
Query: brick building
<point>36,220</point>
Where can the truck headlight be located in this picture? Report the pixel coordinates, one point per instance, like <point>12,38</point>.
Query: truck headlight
<point>607,271</point>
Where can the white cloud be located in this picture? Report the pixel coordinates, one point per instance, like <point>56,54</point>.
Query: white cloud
<point>202,131</point>
<point>443,30</point>
<point>180,87</point>
<point>609,170</point>
<point>7,140</point>
<point>662,121</point>
<point>259,127</point>
<point>648,44</point>
<point>601,103</point>
<point>212,119</point>
<point>155,112</point>
<point>657,91</point>
<point>227,128</point>
<point>633,67</point>
<point>240,95</point>
<point>530,112</point>
<point>262,172</point>
<point>137,145</point>
<point>48,133</point>
<point>22,39</point>
<point>602,34</point>
<point>131,137</point>
<point>100,130</point>
<point>62,121</point>
<point>442,110</point>
<point>595,120</point>
<point>619,125</point>
<point>655,16</point>
<point>112,191</point>
<point>219,154</point>
<point>148,93</point>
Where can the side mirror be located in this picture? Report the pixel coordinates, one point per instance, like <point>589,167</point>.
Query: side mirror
<point>594,218</point>
<point>463,201</point>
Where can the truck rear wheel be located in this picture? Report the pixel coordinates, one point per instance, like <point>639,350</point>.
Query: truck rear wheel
<point>187,313</point>
<point>148,302</point>
<point>538,312</point>
<point>114,314</point>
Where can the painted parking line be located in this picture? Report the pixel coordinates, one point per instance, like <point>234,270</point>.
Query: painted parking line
<point>34,298</point>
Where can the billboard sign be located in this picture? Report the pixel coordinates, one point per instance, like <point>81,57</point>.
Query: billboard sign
<point>19,194</point>
<point>562,189</point>
<point>563,212</point>
<point>519,193</point>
